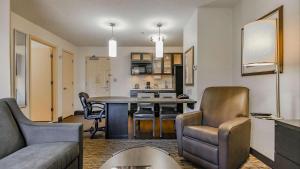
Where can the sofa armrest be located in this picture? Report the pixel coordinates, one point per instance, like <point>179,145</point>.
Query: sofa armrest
<point>186,119</point>
<point>36,133</point>
<point>234,142</point>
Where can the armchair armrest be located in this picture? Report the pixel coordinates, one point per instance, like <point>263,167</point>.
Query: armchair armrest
<point>234,142</point>
<point>186,119</point>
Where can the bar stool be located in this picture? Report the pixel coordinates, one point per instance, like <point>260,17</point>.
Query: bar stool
<point>167,111</point>
<point>145,111</point>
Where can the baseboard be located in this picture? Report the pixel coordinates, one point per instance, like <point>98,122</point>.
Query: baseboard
<point>59,119</point>
<point>78,112</point>
<point>262,158</point>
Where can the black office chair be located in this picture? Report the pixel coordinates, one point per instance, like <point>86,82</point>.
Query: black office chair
<point>167,111</point>
<point>92,111</point>
<point>145,112</point>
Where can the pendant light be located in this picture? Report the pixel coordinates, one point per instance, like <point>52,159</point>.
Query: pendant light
<point>112,43</point>
<point>159,44</point>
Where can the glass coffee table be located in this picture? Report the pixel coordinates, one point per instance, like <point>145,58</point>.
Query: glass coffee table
<point>141,158</point>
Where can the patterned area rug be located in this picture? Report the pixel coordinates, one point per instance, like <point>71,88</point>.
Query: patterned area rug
<point>97,151</point>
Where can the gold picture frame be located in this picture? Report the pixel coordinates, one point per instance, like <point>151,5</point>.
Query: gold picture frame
<point>189,67</point>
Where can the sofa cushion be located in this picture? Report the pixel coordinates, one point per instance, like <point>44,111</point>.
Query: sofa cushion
<point>204,133</point>
<point>11,138</point>
<point>42,156</point>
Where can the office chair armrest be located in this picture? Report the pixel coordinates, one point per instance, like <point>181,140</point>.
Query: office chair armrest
<point>186,119</point>
<point>97,103</point>
<point>102,108</point>
<point>234,142</point>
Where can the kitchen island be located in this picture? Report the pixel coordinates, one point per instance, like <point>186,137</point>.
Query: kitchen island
<point>117,112</point>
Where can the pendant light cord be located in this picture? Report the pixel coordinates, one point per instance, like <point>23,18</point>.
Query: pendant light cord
<point>159,25</point>
<point>159,33</point>
<point>112,29</point>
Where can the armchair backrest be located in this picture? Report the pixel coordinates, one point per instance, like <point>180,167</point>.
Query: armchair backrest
<point>11,138</point>
<point>221,104</point>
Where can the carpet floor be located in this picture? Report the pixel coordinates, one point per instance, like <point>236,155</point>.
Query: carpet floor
<point>97,151</point>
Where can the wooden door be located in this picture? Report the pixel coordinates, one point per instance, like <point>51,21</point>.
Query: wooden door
<point>98,76</point>
<point>41,105</point>
<point>68,84</point>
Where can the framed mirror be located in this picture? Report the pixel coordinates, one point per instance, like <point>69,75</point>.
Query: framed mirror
<point>20,59</point>
<point>276,15</point>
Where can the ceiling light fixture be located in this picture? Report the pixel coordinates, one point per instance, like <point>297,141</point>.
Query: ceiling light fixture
<point>112,43</point>
<point>159,44</point>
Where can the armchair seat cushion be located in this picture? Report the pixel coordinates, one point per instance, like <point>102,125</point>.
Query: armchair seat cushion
<point>57,155</point>
<point>204,133</point>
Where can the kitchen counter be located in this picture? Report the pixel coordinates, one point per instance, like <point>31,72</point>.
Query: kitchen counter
<point>153,90</point>
<point>117,99</point>
<point>116,109</point>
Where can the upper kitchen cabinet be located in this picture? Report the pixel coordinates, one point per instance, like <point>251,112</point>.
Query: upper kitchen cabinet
<point>177,59</point>
<point>157,66</point>
<point>141,57</point>
<point>141,63</point>
<point>167,63</point>
<point>145,64</point>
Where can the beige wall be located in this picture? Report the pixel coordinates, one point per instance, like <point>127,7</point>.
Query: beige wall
<point>5,89</point>
<point>262,88</point>
<point>190,38</point>
<point>215,48</point>
<point>209,30</point>
<point>23,25</point>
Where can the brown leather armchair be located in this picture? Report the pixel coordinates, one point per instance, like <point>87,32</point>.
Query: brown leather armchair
<point>217,136</point>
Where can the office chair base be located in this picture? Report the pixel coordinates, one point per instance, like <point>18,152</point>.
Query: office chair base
<point>90,130</point>
<point>95,131</point>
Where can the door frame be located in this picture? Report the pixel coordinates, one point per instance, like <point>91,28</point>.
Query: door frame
<point>54,78</point>
<point>71,53</point>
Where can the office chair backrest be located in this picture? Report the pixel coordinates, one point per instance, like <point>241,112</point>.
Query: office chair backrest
<point>86,106</point>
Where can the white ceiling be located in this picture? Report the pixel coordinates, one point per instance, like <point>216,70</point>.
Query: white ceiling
<point>85,22</point>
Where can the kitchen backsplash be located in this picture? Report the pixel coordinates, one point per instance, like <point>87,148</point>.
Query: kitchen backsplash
<point>157,81</point>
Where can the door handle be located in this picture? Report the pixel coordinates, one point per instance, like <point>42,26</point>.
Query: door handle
<point>65,88</point>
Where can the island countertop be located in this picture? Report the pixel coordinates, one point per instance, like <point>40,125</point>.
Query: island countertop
<point>119,99</point>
